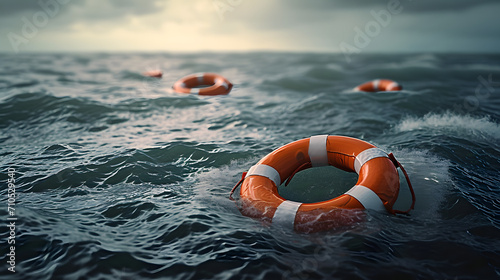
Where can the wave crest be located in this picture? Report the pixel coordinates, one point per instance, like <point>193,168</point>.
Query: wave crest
<point>452,122</point>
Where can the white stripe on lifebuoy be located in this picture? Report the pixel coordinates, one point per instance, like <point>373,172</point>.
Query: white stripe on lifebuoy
<point>391,86</point>
<point>317,150</point>
<point>266,171</point>
<point>375,84</point>
<point>179,84</point>
<point>367,155</point>
<point>285,214</point>
<point>368,198</point>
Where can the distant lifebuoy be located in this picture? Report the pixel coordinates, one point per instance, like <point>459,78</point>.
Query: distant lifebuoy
<point>379,85</point>
<point>216,84</point>
<point>377,187</point>
<point>153,73</point>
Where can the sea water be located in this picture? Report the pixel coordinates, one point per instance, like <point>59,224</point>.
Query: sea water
<point>117,177</point>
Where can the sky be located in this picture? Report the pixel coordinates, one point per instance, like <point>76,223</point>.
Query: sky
<point>348,26</point>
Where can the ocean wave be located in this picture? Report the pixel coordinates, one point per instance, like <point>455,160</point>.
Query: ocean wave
<point>298,84</point>
<point>431,179</point>
<point>118,177</point>
<point>149,104</point>
<point>42,107</point>
<point>450,122</point>
<point>168,164</point>
<point>327,73</point>
<point>51,72</point>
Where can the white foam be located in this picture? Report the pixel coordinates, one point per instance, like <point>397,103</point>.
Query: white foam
<point>430,178</point>
<point>452,123</point>
<point>225,177</point>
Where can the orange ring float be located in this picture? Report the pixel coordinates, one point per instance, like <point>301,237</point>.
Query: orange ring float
<point>153,73</point>
<point>217,85</point>
<point>379,85</point>
<point>377,187</point>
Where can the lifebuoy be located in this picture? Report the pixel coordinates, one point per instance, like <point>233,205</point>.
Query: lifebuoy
<point>153,73</point>
<point>377,187</point>
<point>217,85</point>
<point>379,85</point>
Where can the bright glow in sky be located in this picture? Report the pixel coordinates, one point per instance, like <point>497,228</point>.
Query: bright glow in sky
<point>248,25</point>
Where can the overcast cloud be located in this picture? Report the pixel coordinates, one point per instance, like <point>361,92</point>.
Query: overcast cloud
<point>246,25</point>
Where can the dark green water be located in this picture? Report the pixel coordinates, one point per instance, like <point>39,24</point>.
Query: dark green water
<point>117,177</point>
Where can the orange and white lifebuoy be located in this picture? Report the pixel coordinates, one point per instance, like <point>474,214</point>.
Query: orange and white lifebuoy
<point>153,73</point>
<point>379,85</point>
<point>377,187</point>
<point>216,84</point>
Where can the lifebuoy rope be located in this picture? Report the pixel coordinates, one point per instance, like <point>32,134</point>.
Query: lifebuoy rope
<point>243,176</point>
<point>387,206</point>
